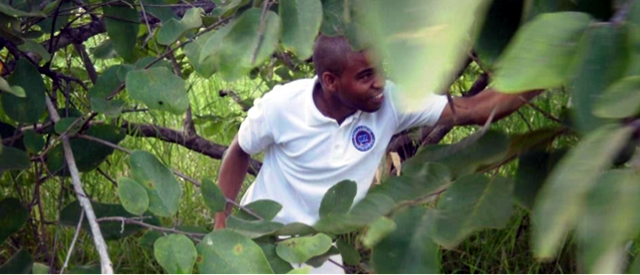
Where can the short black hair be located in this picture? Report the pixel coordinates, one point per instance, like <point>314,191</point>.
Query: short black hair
<point>330,54</point>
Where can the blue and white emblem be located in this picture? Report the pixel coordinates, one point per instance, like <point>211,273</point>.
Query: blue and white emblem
<point>363,138</point>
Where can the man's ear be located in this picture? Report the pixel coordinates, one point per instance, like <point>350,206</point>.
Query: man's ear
<point>330,81</point>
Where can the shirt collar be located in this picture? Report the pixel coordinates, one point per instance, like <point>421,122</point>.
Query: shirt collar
<point>314,116</point>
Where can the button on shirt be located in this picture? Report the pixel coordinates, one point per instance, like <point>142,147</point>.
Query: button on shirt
<point>307,153</point>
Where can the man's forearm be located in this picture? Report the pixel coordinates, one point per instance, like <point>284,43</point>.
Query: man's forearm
<point>232,171</point>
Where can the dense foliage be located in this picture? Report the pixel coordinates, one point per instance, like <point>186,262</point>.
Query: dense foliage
<point>73,69</point>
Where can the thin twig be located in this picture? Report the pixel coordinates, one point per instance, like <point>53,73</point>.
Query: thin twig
<point>149,226</point>
<point>105,263</point>
<point>73,242</point>
<point>525,120</point>
<point>543,112</point>
<point>104,142</point>
<point>261,27</point>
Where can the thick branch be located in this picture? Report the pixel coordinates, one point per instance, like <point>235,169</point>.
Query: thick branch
<point>194,143</point>
<point>101,246</point>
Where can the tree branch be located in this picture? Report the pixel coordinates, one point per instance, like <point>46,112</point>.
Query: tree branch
<point>150,226</point>
<point>105,263</point>
<point>194,143</point>
<point>88,65</point>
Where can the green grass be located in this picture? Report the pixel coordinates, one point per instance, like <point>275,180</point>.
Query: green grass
<point>488,251</point>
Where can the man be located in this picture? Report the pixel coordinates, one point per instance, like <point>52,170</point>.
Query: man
<point>317,132</point>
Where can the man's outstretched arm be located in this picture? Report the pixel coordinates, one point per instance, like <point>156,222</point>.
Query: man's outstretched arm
<point>230,177</point>
<point>477,109</point>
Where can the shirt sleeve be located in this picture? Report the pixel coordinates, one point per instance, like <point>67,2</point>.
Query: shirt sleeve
<point>427,114</point>
<point>255,135</point>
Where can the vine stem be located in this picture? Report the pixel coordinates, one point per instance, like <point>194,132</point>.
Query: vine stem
<point>73,242</point>
<point>106,267</point>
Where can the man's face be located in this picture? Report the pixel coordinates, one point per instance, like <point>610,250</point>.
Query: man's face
<point>361,85</point>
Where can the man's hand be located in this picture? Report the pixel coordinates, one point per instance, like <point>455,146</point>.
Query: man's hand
<point>477,109</point>
<point>220,221</point>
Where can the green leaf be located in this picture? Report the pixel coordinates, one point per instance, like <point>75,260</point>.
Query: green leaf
<point>20,263</point>
<point>212,196</point>
<point>86,269</point>
<point>377,231</point>
<point>295,228</point>
<point>175,253</point>
<point>602,45</point>
<point>209,55</point>
<point>469,155</point>
<point>158,88</point>
<point>33,141</point>
<point>473,202</point>
<point>609,221</point>
<point>533,169</point>
<point>155,8</point>
<point>69,125</point>
<point>224,251</point>
<point>193,51</point>
<point>302,270</point>
<point>88,154</point>
<point>144,62</point>
<point>422,49</point>
<point>62,17</point>
<point>35,47</point>
<point>110,108</point>
<point>622,99</point>
<point>409,249</point>
<point>13,216</point>
<point>252,229</point>
<point>149,238</point>
<point>27,109</point>
<point>245,46</point>
<point>10,11</point>
<point>279,265</point>
<point>40,268</point>
<point>541,53</point>
<point>300,24</point>
<point>415,184</point>
<point>633,23</point>
<point>333,17</point>
<point>561,199</point>
<point>162,187</point>
<point>349,253</point>
<point>300,249</point>
<point>16,90</point>
<point>133,196</point>
<point>122,23</point>
<point>501,23</point>
<point>107,83</point>
<point>320,260</point>
<point>339,198</point>
<point>228,9</point>
<point>369,209</point>
<point>267,209</point>
<point>104,51</point>
<point>634,267</point>
<point>112,230</point>
<point>13,159</point>
<point>173,29</point>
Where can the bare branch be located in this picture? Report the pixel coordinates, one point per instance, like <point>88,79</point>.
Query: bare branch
<point>195,143</point>
<point>105,263</point>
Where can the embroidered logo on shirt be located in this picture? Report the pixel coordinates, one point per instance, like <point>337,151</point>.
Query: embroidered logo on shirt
<point>363,138</point>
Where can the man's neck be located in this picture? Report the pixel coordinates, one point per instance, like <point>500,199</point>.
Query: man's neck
<point>330,106</point>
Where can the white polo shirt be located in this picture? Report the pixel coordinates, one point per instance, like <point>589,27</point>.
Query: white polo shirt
<point>306,153</point>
